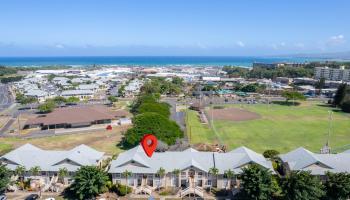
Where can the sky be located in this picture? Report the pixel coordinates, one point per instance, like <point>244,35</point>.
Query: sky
<point>173,28</point>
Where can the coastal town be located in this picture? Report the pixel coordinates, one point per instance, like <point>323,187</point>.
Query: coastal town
<point>106,101</point>
<point>174,100</point>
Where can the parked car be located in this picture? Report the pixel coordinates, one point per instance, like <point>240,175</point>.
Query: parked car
<point>32,197</point>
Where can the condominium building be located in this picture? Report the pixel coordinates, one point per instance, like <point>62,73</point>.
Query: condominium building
<point>334,74</point>
<point>49,162</point>
<point>302,159</point>
<point>189,170</point>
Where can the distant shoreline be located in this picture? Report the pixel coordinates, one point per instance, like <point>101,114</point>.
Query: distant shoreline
<point>146,61</point>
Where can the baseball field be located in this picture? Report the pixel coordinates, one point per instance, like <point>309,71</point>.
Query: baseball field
<point>279,127</point>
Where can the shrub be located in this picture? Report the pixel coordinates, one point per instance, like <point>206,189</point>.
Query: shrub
<point>345,106</point>
<point>123,190</point>
<point>271,153</point>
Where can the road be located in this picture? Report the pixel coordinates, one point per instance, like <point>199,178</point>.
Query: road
<point>6,99</point>
<point>178,117</point>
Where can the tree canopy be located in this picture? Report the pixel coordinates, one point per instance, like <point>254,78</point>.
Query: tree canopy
<point>163,128</point>
<point>338,186</point>
<point>302,185</point>
<point>47,107</point>
<point>89,181</point>
<point>293,95</point>
<point>5,175</point>
<point>256,183</point>
<point>160,108</point>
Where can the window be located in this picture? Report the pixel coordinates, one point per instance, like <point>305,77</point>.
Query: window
<point>118,175</point>
<point>209,182</point>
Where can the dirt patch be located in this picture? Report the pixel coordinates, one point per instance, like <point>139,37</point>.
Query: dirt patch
<point>232,114</point>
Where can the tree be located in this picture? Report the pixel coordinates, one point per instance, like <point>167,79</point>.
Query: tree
<point>20,170</point>
<point>47,107</point>
<point>340,94</point>
<point>271,153</point>
<point>176,173</point>
<point>72,100</point>
<point>35,170</point>
<point>126,174</point>
<point>320,85</point>
<point>161,173</point>
<point>5,175</point>
<point>160,108</point>
<point>89,181</point>
<point>214,172</point>
<point>112,99</point>
<point>229,175</point>
<point>302,185</point>
<point>62,173</point>
<point>59,100</point>
<point>337,186</point>
<point>256,183</point>
<point>293,95</point>
<point>345,106</point>
<point>163,128</point>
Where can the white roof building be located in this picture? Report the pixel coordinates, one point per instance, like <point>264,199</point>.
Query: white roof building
<point>318,164</point>
<point>31,156</point>
<point>136,161</point>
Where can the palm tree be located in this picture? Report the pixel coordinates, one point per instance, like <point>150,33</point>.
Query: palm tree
<point>214,171</point>
<point>229,174</point>
<point>35,170</point>
<point>62,173</point>
<point>161,173</point>
<point>126,174</point>
<point>19,171</point>
<point>177,172</point>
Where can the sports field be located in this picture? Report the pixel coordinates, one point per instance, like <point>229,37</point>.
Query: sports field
<point>278,127</point>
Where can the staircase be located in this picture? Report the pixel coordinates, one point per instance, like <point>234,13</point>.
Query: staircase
<point>47,186</point>
<point>143,189</point>
<point>192,190</point>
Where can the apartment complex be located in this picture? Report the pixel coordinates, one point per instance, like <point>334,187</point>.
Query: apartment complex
<point>334,74</point>
<point>193,167</point>
<point>50,162</point>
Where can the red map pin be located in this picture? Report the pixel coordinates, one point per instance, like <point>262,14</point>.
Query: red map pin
<point>149,143</point>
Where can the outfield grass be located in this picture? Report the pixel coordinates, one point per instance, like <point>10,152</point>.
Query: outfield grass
<point>280,127</point>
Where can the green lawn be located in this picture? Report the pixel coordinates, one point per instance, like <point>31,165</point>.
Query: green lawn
<point>281,127</point>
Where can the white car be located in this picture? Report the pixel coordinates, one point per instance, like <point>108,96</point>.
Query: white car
<point>50,198</point>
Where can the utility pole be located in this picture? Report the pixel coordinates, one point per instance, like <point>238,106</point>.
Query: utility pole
<point>19,125</point>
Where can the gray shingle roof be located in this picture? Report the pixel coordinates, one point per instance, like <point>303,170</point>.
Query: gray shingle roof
<point>136,161</point>
<point>30,156</point>
<point>318,164</point>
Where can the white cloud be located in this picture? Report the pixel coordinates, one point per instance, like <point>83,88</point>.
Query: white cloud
<point>200,45</point>
<point>278,46</point>
<point>59,46</point>
<point>336,40</point>
<point>240,43</point>
<point>299,45</point>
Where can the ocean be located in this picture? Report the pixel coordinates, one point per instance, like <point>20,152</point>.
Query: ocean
<point>144,60</point>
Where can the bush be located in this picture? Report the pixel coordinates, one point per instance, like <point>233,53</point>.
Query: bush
<point>345,106</point>
<point>123,190</point>
<point>271,153</point>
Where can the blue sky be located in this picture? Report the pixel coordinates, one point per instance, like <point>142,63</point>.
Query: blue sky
<point>178,27</point>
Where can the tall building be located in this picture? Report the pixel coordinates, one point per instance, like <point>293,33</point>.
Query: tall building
<point>333,74</point>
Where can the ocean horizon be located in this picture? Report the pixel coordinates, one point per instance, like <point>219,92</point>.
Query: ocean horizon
<point>243,61</point>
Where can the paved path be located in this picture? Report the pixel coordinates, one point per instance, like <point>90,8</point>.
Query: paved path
<point>5,98</point>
